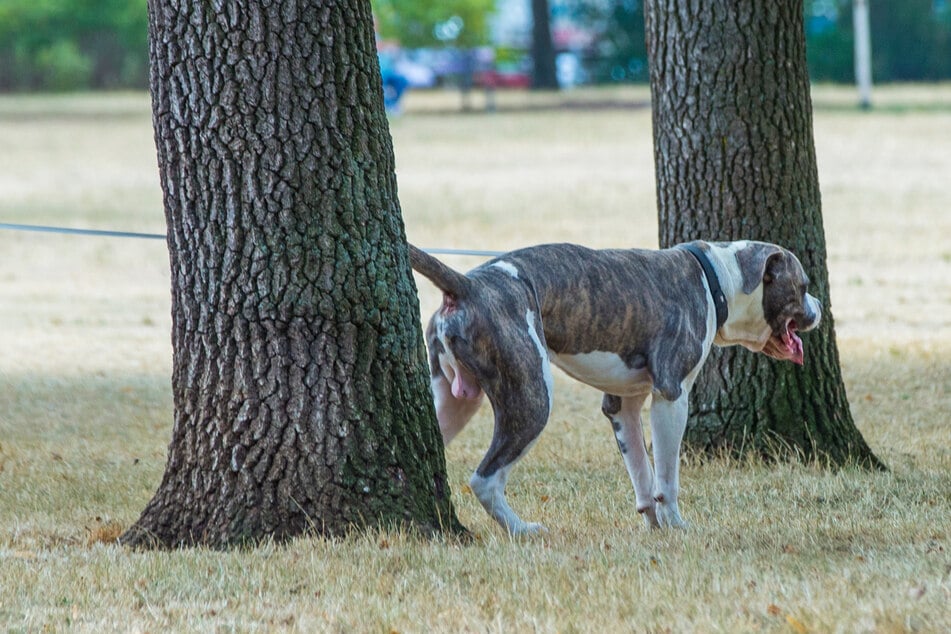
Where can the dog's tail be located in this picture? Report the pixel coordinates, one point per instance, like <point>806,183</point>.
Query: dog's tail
<point>447,280</point>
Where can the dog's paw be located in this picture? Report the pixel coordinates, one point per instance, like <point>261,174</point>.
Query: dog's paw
<point>668,516</point>
<point>649,513</point>
<point>528,529</point>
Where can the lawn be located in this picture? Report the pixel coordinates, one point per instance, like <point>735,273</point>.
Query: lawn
<point>85,397</point>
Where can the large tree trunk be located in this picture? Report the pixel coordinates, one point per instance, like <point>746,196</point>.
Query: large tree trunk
<point>544,75</point>
<point>301,395</point>
<point>735,159</point>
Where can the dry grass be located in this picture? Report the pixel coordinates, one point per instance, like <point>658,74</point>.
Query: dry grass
<point>85,405</point>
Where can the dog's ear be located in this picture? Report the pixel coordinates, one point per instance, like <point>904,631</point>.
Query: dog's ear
<point>754,261</point>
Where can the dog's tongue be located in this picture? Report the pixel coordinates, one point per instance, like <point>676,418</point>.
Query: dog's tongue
<point>793,345</point>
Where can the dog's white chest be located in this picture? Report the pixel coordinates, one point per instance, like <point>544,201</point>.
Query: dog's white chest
<point>605,371</point>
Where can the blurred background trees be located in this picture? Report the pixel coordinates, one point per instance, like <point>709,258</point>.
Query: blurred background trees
<point>432,23</point>
<point>101,44</point>
<point>73,44</point>
<point>911,40</point>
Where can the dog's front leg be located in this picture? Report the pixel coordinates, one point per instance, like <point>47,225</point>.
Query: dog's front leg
<point>668,422</point>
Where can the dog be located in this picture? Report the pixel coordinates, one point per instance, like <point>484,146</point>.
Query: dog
<point>630,323</point>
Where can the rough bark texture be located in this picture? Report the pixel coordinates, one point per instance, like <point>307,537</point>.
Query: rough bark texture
<point>544,76</point>
<point>735,159</point>
<point>302,402</point>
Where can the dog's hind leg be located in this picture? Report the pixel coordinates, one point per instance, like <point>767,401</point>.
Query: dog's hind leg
<point>521,399</point>
<point>625,416</point>
<point>515,432</point>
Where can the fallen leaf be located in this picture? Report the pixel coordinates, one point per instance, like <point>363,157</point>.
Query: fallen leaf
<point>796,624</point>
<point>104,532</point>
<point>774,610</point>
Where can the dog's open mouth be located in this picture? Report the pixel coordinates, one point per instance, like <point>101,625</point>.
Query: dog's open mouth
<point>786,344</point>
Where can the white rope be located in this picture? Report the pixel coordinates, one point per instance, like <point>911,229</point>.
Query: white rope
<point>8,226</point>
<point>82,232</point>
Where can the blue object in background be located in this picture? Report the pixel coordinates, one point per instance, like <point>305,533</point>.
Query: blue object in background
<point>394,83</point>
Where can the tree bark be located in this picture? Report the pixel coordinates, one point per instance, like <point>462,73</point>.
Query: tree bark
<point>544,75</point>
<point>301,396</point>
<point>735,159</point>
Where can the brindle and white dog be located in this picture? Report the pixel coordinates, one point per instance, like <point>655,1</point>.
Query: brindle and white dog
<point>627,322</point>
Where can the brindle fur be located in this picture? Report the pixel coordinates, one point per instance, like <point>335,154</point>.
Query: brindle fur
<point>650,308</point>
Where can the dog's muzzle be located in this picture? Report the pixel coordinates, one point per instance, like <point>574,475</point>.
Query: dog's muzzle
<point>785,344</point>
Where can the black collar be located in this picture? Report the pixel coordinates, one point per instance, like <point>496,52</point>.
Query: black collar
<point>719,299</point>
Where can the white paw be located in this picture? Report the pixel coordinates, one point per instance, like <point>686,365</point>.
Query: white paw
<point>650,516</point>
<point>668,516</point>
<point>527,529</point>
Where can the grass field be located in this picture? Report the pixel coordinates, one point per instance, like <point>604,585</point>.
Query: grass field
<point>85,404</point>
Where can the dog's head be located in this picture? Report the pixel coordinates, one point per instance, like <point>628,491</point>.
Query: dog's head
<point>776,305</point>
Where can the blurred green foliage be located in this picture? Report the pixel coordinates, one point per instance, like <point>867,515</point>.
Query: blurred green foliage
<point>911,40</point>
<point>72,44</point>
<point>619,52</point>
<point>93,44</point>
<point>431,23</point>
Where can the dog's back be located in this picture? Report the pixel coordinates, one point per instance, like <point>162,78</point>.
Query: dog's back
<point>608,299</point>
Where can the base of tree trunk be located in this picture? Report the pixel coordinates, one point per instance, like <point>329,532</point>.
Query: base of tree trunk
<point>791,413</point>
<point>141,537</point>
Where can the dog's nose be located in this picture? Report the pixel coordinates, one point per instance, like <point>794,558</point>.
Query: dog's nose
<point>812,310</point>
